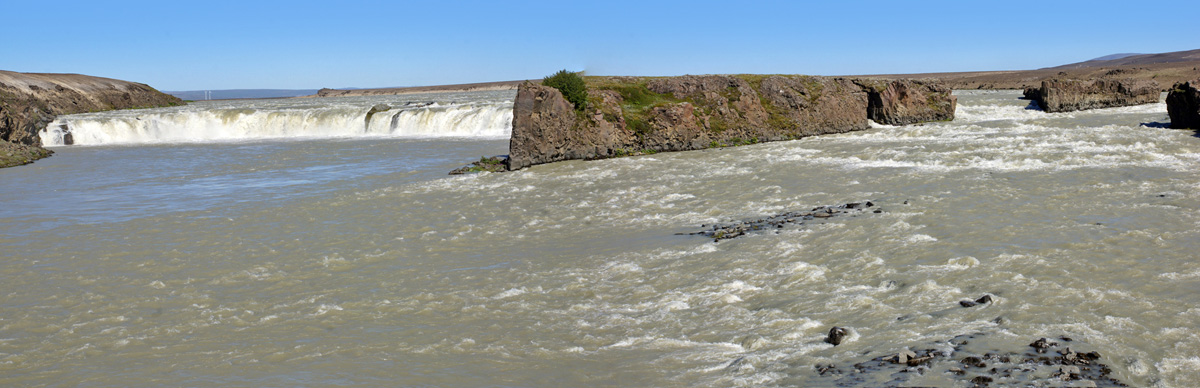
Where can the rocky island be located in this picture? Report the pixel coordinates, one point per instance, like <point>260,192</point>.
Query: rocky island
<point>30,101</point>
<point>634,115</point>
<point>1068,95</point>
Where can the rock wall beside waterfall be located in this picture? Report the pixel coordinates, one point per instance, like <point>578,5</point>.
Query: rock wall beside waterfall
<point>631,115</point>
<point>29,101</point>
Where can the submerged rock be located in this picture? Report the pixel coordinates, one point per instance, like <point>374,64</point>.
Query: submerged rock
<point>836,335</point>
<point>720,232</point>
<point>1183,105</point>
<point>489,164</point>
<point>971,363</point>
<point>1066,95</point>
<point>982,300</point>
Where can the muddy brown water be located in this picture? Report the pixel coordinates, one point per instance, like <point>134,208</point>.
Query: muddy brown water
<point>358,262</point>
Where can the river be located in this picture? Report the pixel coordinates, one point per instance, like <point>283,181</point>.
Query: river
<point>296,251</point>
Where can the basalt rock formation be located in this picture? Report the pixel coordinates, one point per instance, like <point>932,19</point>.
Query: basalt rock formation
<point>1183,105</point>
<point>29,101</point>
<point>1067,95</point>
<point>633,115</point>
<point>902,102</point>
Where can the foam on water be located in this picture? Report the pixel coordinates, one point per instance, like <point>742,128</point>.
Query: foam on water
<point>571,273</point>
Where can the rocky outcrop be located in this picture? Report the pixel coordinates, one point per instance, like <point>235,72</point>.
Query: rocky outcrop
<point>13,154</point>
<point>1067,95</point>
<point>28,102</point>
<point>1183,105</point>
<point>902,102</point>
<point>632,115</point>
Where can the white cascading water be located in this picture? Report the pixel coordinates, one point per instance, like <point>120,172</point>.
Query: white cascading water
<point>462,116</point>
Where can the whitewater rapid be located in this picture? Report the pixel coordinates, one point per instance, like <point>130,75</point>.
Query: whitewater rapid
<point>468,115</point>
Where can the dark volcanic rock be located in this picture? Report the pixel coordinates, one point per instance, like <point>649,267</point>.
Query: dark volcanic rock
<point>972,303</point>
<point>970,362</point>
<point>1183,105</point>
<point>720,232</point>
<point>836,335</point>
<point>1066,95</point>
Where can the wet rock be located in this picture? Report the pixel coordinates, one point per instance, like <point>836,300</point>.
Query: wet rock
<point>720,232</point>
<point>375,109</point>
<point>967,365</point>
<point>836,335</point>
<point>1042,344</point>
<point>1183,105</point>
<point>488,164</point>
<point>972,303</point>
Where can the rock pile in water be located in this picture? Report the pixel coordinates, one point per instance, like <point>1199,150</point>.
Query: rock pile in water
<point>1045,362</point>
<point>720,232</point>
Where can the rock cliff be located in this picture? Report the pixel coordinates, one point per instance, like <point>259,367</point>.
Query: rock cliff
<point>29,101</point>
<point>632,115</point>
<point>1066,95</point>
<point>1183,105</point>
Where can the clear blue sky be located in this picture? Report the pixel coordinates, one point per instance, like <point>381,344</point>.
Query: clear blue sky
<point>298,44</point>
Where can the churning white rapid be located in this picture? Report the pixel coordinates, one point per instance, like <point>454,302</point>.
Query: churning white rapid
<point>356,261</point>
<point>471,114</point>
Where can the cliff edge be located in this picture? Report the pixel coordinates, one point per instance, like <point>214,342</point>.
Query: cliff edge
<point>30,101</point>
<point>634,115</point>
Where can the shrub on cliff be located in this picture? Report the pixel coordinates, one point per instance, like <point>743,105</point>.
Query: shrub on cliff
<point>571,85</point>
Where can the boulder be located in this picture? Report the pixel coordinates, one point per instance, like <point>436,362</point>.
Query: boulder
<point>1067,95</point>
<point>1183,105</point>
<point>836,335</point>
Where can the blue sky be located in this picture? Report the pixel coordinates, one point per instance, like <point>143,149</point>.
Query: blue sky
<point>195,45</point>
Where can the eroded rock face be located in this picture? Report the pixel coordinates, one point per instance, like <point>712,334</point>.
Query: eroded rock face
<point>631,115</point>
<point>28,102</point>
<point>1183,105</point>
<point>902,102</point>
<point>1067,95</point>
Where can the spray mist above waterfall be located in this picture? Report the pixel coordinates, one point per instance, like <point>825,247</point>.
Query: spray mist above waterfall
<point>473,114</point>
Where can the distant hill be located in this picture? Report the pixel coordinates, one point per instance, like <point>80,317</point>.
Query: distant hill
<point>1116,60</point>
<point>1115,56</point>
<point>227,94</point>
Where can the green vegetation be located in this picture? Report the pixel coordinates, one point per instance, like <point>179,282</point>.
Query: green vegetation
<point>637,101</point>
<point>572,87</point>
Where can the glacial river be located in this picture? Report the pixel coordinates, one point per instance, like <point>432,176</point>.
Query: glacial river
<point>322,254</point>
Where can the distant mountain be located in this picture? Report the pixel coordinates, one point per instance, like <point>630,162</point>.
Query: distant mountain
<point>1114,56</point>
<point>197,95</point>
<point>1133,59</point>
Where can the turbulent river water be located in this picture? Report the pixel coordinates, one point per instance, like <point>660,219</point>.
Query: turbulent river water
<point>348,258</point>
